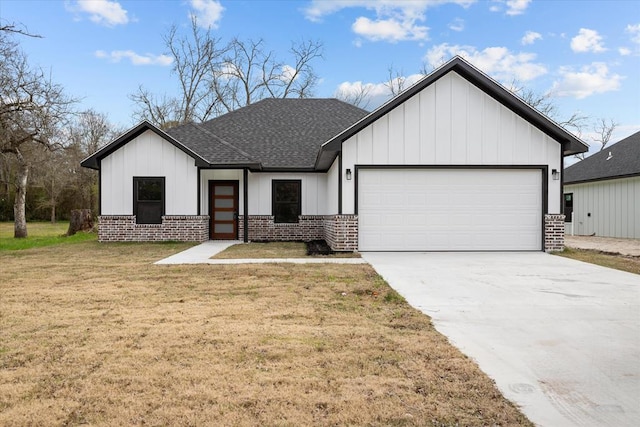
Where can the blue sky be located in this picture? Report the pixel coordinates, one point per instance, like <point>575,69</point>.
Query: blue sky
<point>585,53</point>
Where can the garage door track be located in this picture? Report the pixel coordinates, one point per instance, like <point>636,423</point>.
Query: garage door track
<point>561,338</point>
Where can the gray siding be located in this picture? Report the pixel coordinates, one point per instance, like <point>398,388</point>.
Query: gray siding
<point>614,206</point>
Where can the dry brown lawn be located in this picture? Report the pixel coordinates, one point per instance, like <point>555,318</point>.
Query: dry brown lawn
<point>95,334</point>
<point>630,264</point>
<point>273,250</point>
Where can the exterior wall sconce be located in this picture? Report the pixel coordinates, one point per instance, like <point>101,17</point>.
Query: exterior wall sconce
<point>555,174</point>
<point>348,174</point>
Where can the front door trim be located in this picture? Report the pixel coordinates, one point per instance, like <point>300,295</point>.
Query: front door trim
<point>231,235</point>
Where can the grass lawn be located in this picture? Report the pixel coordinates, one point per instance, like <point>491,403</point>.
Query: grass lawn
<point>40,234</point>
<point>95,334</point>
<point>619,262</point>
<point>255,250</point>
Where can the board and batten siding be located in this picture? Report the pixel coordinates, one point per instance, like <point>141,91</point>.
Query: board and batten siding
<point>314,192</point>
<point>148,155</point>
<point>451,122</point>
<point>332,177</point>
<point>614,206</point>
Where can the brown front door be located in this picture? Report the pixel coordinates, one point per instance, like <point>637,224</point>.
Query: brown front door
<point>223,208</point>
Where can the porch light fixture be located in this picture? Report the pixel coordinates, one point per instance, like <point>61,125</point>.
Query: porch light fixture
<point>348,174</point>
<point>555,174</point>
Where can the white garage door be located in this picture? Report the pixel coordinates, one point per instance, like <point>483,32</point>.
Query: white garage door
<point>449,209</point>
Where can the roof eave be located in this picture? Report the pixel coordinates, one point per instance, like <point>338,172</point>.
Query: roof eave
<point>604,178</point>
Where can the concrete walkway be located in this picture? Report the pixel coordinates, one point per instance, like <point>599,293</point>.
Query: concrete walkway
<point>202,254</point>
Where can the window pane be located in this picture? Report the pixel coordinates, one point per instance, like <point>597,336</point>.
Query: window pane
<point>287,191</point>
<point>223,228</point>
<point>223,216</point>
<point>286,212</point>
<point>286,201</point>
<point>223,203</point>
<point>150,189</point>
<point>149,213</point>
<point>223,190</point>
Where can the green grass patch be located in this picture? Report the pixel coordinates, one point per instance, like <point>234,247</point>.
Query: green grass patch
<point>40,234</point>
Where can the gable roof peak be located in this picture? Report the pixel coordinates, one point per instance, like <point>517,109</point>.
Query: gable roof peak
<point>570,143</point>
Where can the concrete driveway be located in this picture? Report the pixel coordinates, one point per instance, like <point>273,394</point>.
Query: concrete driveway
<point>561,338</point>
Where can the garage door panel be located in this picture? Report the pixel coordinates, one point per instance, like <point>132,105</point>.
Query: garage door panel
<point>450,209</point>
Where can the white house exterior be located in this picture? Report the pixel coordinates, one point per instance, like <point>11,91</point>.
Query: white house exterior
<point>602,192</point>
<point>456,162</point>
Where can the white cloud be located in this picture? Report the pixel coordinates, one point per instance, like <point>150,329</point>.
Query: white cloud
<point>587,41</point>
<point>514,7</point>
<point>103,12</point>
<point>589,80</point>
<point>376,93</point>
<point>517,7</point>
<point>394,20</point>
<point>390,30</point>
<point>624,51</point>
<point>498,62</point>
<point>634,30</point>
<point>457,25</point>
<point>136,59</point>
<point>207,12</point>
<point>530,37</point>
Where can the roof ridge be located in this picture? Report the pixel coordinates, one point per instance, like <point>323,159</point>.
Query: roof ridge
<point>222,141</point>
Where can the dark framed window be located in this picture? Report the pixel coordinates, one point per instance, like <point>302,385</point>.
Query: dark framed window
<point>568,207</point>
<point>287,200</point>
<point>148,199</point>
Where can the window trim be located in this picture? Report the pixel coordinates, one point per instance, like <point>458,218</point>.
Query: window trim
<point>162,202</point>
<point>567,217</point>
<point>274,184</point>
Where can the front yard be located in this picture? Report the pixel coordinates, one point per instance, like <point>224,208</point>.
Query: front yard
<point>95,334</point>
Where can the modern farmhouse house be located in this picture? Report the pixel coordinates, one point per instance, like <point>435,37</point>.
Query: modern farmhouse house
<point>454,163</point>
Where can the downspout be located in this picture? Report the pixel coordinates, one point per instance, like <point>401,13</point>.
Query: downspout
<point>99,190</point>
<point>199,195</point>
<point>562,186</point>
<point>340,181</point>
<point>245,191</point>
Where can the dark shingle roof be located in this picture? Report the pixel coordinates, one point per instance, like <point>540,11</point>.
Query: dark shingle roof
<point>280,134</point>
<point>277,133</point>
<point>619,160</point>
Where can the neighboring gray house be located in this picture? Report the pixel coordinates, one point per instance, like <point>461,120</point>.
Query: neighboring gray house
<point>455,162</point>
<point>602,192</point>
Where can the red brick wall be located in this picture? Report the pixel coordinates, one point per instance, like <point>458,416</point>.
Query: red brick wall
<point>553,233</point>
<point>123,228</point>
<point>262,227</point>
<point>341,232</point>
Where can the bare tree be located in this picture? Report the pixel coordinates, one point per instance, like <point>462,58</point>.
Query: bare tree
<point>215,78</point>
<point>358,96</point>
<point>603,129</point>
<point>250,72</point>
<point>196,59</point>
<point>396,81</point>
<point>32,111</point>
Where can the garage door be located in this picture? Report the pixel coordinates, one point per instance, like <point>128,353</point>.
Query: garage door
<point>449,209</point>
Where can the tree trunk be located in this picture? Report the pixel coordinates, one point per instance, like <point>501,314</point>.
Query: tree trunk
<point>81,220</point>
<point>19,213</point>
<point>53,211</point>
